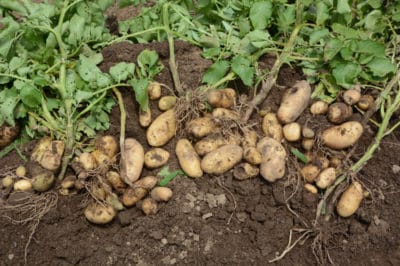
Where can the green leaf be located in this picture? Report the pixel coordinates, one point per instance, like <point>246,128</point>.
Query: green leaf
<point>343,6</point>
<point>371,47</point>
<point>167,176</point>
<point>81,96</point>
<point>322,13</point>
<point>318,35</point>
<point>242,67</point>
<point>216,72</point>
<point>380,67</point>
<point>299,155</point>
<point>373,20</point>
<point>260,14</point>
<point>14,6</point>
<point>8,101</point>
<point>332,47</point>
<point>122,71</point>
<point>76,24</point>
<point>30,96</point>
<point>346,74</point>
<point>286,18</point>
<point>347,32</point>
<point>140,88</point>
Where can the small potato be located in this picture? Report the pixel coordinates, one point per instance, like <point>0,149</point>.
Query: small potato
<point>339,113</point>
<point>352,96</point>
<point>271,127</point>
<point>311,188</point>
<point>201,127</point>
<point>294,101</point>
<point>326,178</point>
<point>166,102</point>
<point>273,155</point>
<point>115,180</point>
<point>149,206</point>
<point>321,162</point>
<point>8,134</point>
<point>365,102</point>
<point>307,132</point>
<point>161,194</point>
<point>101,159</point>
<point>145,118</point>
<point>245,171</point>
<point>224,98</point>
<point>307,144</point>
<point>350,200</point>
<point>87,161</point>
<point>209,144</point>
<point>133,195</point>
<point>292,131</point>
<point>147,182</point>
<point>68,182</point>
<point>156,158</point>
<point>252,155</point>
<point>250,138</point>
<point>79,185</point>
<point>133,161</point>
<point>107,145</point>
<point>99,214</point>
<point>154,90</point>
<point>48,153</point>
<point>7,181</point>
<point>225,114</point>
<point>22,185</point>
<point>98,192</point>
<point>20,171</point>
<point>310,172</point>
<point>319,108</point>
<point>188,159</point>
<point>222,159</point>
<point>335,161</point>
<point>342,136</point>
<point>43,181</point>
<point>162,129</point>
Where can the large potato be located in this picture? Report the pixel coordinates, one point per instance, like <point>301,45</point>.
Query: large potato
<point>342,136</point>
<point>294,101</point>
<point>350,200</point>
<point>132,164</point>
<point>155,158</point>
<point>201,127</point>
<point>222,159</point>
<point>162,129</point>
<point>271,127</point>
<point>188,158</point>
<point>273,155</point>
<point>99,214</point>
<point>48,153</point>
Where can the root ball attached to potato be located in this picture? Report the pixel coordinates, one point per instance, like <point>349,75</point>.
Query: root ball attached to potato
<point>342,136</point>
<point>222,159</point>
<point>350,200</point>
<point>188,159</point>
<point>162,129</point>
<point>273,154</point>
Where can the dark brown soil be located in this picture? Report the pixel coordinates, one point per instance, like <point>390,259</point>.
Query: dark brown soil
<point>214,220</point>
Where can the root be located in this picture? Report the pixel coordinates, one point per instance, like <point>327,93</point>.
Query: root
<point>233,198</point>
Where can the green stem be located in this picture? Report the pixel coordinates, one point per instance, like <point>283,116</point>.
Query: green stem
<point>15,77</point>
<point>231,76</point>
<point>110,87</point>
<point>90,106</point>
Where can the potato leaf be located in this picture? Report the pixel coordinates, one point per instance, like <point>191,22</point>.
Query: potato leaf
<point>380,67</point>
<point>30,95</point>
<point>167,176</point>
<point>346,74</point>
<point>122,71</point>
<point>140,88</point>
<point>260,14</point>
<point>216,72</point>
<point>242,67</point>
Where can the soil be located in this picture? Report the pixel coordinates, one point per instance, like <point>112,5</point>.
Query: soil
<point>216,220</point>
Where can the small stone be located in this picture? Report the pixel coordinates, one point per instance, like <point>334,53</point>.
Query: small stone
<point>156,235</point>
<point>172,261</point>
<point>182,255</point>
<point>258,216</point>
<point>190,197</point>
<point>207,215</point>
<point>10,256</point>
<point>396,169</point>
<point>125,218</point>
<point>221,199</point>
<point>212,202</point>
<point>196,237</point>
<point>241,216</point>
<point>164,241</point>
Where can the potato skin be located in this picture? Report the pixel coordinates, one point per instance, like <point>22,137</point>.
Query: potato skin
<point>351,96</point>
<point>294,101</point>
<point>271,127</point>
<point>310,172</point>
<point>209,144</point>
<point>326,178</point>
<point>188,159</point>
<point>245,171</point>
<point>222,159</point>
<point>145,118</point>
<point>339,113</point>
<point>99,214</point>
<point>350,200</point>
<point>365,102</point>
<point>132,164</point>
<point>162,129</point>
<point>107,145</point>
<point>319,108</point>
<point>224,98</point>
<point>252,155</point>
<point>161,193</point>
<point>166,102</point>
<point>292,131</point>
<point>201,127</point>
<point>155,158</point>
<point>154,90</point>
<point>342,136</point>
<point>273,155</point>
<point>225,114</point>
<point>48,153</point>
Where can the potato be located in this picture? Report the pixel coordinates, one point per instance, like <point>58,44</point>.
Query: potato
<point>335,161</point>
<point>79,185</point>
<point>250,138</point>
<point>310,172</point>
<point>273,155</point>
<point>22,185</point>
<point>156,158</point>
<point>8,134</point>
<point>294,101</point>
<point>43,182</point>
<point>350,200</point>
<point>166,102</point>
<point>292,131</point>
<point>68,182</point>
<point>154,90</point>
<point>101,159</point>
<point>326,178</point>
<point>64,191</point>
<point>225,114</point>
<point>115,180</point>
<point>201,127</point>
<point>307,144</point>
<point>222,159</point>
<point>7,181</point>
<point>319,108</point>
<point>224,98</point>
<point>133,195</point>
<point>149,206</point>
<point>271,127</point>
<point>245,171</point>
<point>132,164</point>
<point>311,188</point>
<point>365,102</point>
<point>351,96</point>
<point>87,161</point>
<point>162,129</point>
<point>107,145</point>
<point>113,201</point>
<point>147,182</point>
<point>161,194</point>
<point>339,113</point>
<point>188,158</point>
<point>99,214</point>
<point>209,143</point>
<point>252,155</point>
<point>98,192</point>
<point>48,153</point>
<point>307,132</point>
<point>20,171</point>
<point>321,162</point>
<point>342,136</point>
<point>145,118</point>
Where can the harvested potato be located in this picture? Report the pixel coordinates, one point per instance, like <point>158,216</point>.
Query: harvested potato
<point>155,158</point>
<point>43,182</point>
<point>365,102</point>
<point>326,178</point>
<point>273,155</point>
<point>319,108</point>
<point>307,144</point>
<point>162,129</point>
<point>222,159</point>
<point>209,143</point>
<point>145,117</point>
<point>68,182</point>
<point>20,171</point>
<point>224,98</point>
<point>154,90</point>
<point>48,153</point>
<point>307,132</point>
<point>101,159</point>
<point>271,127</point>
<point>201,127</point>
<point>107,145</point>
<point>7,181</point>
<point>335,161</point>
<point>292,131</point>
<point>79,185</point>
<point>115,180</point>
<point>147,182</point>
<point>7,134</point>
<point>161,194</point>
<point>245,171</point>
<point>311,188</point>
<point>310,172</point>
<point>225,114</point>
<point>149,206</point>
<point>166,102</point>
<point>294,101</point>
<point>87,161</point>
<point>250,138</point>
<point>133,195</point>
<point>98,192</point>
<point>339,113</point>
<point>22,185</point>
<point>99,214</point>
<point>342,136</point>
<point>252,155</point>
<point>350,200</point>
<point>188,158</point>
<point>133,161</point>
<point>351,96</point>
<point>321,162</point>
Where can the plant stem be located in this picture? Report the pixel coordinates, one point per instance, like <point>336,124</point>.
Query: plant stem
<point>227,78</point>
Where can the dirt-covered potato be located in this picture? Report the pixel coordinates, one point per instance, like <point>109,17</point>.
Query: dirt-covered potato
<point>292,131</point>
<point>271,127</point>
<point>115,180</point>
<point>166,102</point>
<point>149,206</point>
<point>320,161</point>
<point>252,155</point>
<point>311,188</point>
<point>7,134</point>
<point>319,108</point>
<point>250,138</point>
<point>161,194</point>
<point>222,159</point>
<point>209,143</point>
<point>225,114</point>
<point>245,171</point>
<point>307,132</point>
<point>145,117</point>
<point>23,185</point>
<point>147,182</point>
<point>339,113</point>
<point>162,129</point>
<point>310,172</point>
<point>201,127</point>
<point>132,164</point>
<point>188,159</point>
<point>294,101</point>
<point>87,161</point>
<point>351,96</point>
<point>43,182</point>
<point>350,200</point>
<point>99,214</point>
<point>154,90</point>
<point>365,102</point>
<point>273,154</point>
<point>48,153</point>
<point>68,182</point>
<point>307,144</point>
<point>342,136</point>
<point>20,171</point>
<point>101,159</point>
<point>326,178</point>
<point>7,181</point>
<point>224,98</point>
<point>133,195</point>
<point>107,145</point>
<point>155,158</point>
